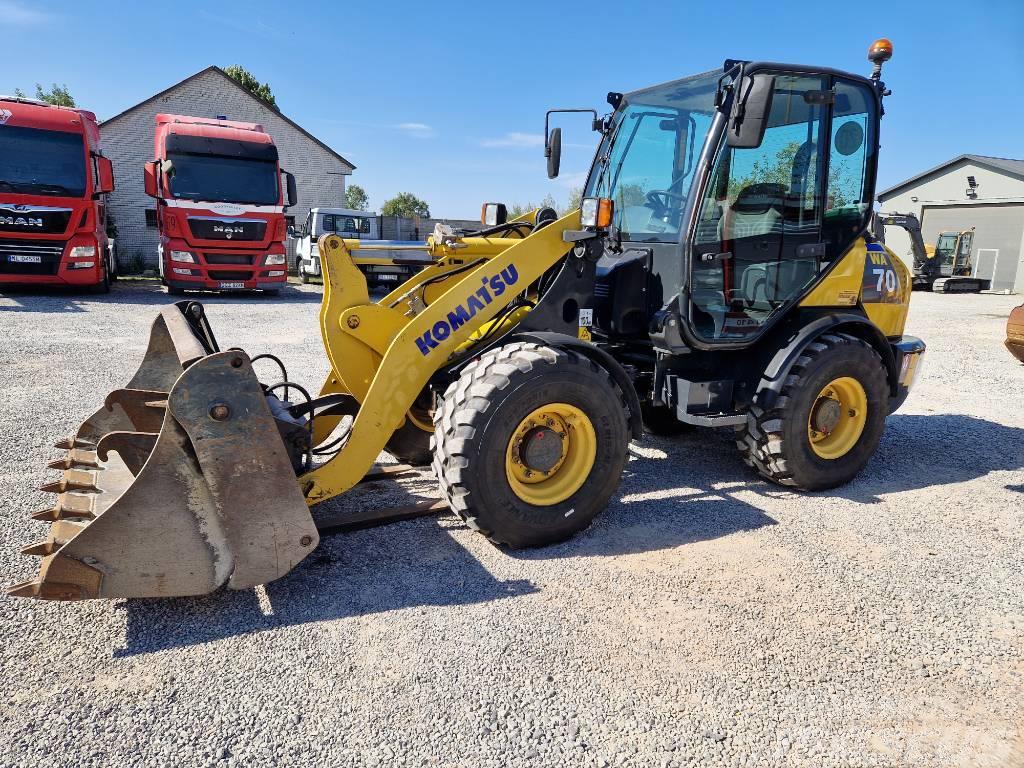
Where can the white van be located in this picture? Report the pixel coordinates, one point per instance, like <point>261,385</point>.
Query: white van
<point>380,270</point>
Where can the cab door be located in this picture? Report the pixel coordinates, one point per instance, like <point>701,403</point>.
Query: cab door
<point>775,217</point>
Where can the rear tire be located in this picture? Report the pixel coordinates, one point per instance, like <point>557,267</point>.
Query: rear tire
<point>480,452</point>
<point>303,277</point>
<point>778,442</point>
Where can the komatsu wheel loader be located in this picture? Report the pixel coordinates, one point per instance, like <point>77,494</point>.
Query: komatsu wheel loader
<point>718,273</point>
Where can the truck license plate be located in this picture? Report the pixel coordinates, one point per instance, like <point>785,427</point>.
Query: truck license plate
<point>25,258</point>
<point>232,285</point>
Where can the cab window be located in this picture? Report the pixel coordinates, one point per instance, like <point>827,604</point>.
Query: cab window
<point>757,239</point>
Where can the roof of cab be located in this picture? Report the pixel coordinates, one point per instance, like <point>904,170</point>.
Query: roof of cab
<point>234,130</point>
<point>36,114</point>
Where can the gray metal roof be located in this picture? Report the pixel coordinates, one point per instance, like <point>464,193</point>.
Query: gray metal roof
<point>1003,164</point>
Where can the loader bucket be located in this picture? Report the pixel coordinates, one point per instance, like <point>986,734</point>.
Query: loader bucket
<point>180,484</point>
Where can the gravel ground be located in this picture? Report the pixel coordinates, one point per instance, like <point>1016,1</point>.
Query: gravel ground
<point>707,618</point>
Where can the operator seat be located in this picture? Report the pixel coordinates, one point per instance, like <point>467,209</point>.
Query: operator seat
<point>753,228</point>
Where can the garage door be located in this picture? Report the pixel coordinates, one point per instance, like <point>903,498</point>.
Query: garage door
<point>997,235</point>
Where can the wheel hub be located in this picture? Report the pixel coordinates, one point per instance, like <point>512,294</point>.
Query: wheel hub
<point>541,449</point>
<point>826,415</point>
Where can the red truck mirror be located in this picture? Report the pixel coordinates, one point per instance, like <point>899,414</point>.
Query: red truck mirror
<point>149,170</point>
<point>105,175</point>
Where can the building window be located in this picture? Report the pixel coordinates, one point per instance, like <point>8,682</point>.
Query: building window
<point>151,217</point>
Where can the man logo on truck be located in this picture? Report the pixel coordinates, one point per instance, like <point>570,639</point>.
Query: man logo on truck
<point>20,221</point>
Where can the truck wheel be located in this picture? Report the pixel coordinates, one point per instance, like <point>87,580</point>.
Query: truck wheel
<point>303,277</point>
<point>103,286</point>
<point>826,422</point>
<point>173,290</point>
<point>530,443</point>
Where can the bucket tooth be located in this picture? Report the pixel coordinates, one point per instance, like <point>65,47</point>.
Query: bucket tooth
<point>64,485</point>
<point>61,578</point>
<point>73,442</point>
<point>41,548</point>
<point>76,458</point>
<point>66,509</point>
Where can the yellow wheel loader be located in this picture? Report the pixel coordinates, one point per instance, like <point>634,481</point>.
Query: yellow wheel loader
<point>719,273</point>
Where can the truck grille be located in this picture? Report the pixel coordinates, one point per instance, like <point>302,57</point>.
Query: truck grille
<point>49,253</point>
<point>214,228</point>
<point>230,258</point>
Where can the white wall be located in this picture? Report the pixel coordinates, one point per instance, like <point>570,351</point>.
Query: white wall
<point>128,142</point>
<point>948,186</point>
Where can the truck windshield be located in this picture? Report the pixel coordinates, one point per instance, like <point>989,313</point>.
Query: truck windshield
<point>39,162</point>
<point>648,164</point>
<point>218,179</point>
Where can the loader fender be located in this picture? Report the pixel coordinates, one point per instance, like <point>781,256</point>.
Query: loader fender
<point>602,358</point>
<point>778,368</point>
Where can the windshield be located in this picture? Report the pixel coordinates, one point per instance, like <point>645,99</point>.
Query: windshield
<point>648,165</point>
<point>38,162</point>
<point>945,248</point>
<point>214,178</point>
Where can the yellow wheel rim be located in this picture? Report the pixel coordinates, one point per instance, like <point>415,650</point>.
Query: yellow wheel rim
<point>837,418</point>
<point>550,454</point>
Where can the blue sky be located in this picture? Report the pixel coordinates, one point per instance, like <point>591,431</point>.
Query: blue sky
<point>447,100</point>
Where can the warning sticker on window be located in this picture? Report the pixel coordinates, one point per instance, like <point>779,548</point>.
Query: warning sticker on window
<point>586,318</point>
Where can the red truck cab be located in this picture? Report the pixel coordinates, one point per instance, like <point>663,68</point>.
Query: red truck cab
<point>220,205</point>
<point>53,185</point>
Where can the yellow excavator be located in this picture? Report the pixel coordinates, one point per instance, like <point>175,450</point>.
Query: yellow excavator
<point>718,273</point>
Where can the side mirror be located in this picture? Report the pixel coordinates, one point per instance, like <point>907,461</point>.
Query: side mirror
<point>292,192</point>
<point>291,232</point>
<point>104,175</point>
<point>553,152</point>
<point>751,107</point>
<point>150,176</point>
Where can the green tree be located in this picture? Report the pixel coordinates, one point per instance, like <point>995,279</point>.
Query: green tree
<point>356,197</point>
<point>58,95</point>
<point>575,198</point>
<point>247,80</point>
<point>405,204</point>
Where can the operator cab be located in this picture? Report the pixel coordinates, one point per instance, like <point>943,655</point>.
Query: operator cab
<point>718,229</point>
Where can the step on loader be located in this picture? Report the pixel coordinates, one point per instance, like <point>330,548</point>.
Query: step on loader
<point>718,273</point>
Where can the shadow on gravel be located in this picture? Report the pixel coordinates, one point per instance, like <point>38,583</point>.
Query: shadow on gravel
<point>681,497</point>
<point>371,571</point>
<point>918,451</point>
<point>136,293</point>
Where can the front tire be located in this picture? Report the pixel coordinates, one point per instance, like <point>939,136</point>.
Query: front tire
<point>103,286</point>
<point>530,443</point>
<point>827,421</point>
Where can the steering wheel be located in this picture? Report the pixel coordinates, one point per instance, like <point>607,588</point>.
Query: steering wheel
<point>661,200</point>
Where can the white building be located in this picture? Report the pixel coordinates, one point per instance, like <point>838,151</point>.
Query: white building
<point>128,141</point>
<point>986,193</point>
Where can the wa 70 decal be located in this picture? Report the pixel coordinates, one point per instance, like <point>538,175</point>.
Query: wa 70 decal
<point>881,283</point>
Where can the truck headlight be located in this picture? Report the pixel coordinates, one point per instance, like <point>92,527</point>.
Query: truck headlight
<point>275,258</point>
<point>179,271</point>
<point>83,252</point>
<point>183,256</point>
<point>596,212</point>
